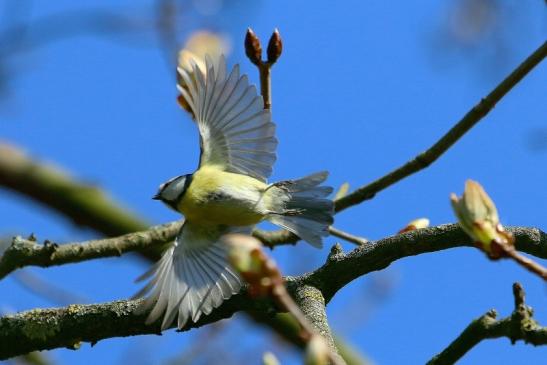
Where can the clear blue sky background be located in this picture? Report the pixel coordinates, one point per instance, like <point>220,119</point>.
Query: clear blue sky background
<point>362,86</point>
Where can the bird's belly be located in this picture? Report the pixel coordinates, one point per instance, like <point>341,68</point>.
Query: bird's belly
<point>232,214</point>
<point>225,198</point>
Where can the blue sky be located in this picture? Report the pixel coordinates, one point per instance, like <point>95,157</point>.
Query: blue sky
<point>360,88</point>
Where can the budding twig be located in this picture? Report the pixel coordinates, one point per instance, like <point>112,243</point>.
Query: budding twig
<point>264,278</point>
<point>527,263</point>
<point>478,217</point>
<point>253,50</point>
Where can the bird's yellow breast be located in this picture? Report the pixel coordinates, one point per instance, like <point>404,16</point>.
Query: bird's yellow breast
<point>217,196</point>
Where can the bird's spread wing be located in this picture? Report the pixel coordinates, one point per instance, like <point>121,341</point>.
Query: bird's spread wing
<point>192,278</point>
<point>236,132</point>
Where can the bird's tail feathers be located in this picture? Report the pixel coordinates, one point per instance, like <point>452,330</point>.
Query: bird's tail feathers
<point>303,207</point>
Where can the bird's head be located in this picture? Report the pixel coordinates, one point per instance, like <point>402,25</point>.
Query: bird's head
<point>172,191</point>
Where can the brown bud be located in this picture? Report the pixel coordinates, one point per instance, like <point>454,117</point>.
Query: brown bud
<point>275,47</point>
<point>253,49</point>
<point>255,267</point>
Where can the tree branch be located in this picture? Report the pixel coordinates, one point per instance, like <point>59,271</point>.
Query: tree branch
<point>44,329</point>
<point>312,304</point>
<point>340,269</point>
<point>85,205</point>
<point>51,328</point>
<point>426,158</point>
<point>520,325</point>
<point>527,263</point>
<point>24,252</point>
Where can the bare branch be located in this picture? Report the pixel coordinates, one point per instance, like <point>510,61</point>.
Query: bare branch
<point>426,158</point>
<point>51,328</point>
<point>24,252</point>
<point>85,205</point>
<point>311,305</point>
<point>340,269</point>
<point>28,253</point>
<point>42,329</point>
<point>520,325</point>
<point>527,263</point>
<point>348,236</point>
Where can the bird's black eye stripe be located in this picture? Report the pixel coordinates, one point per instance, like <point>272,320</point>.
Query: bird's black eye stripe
<point>187,182</point>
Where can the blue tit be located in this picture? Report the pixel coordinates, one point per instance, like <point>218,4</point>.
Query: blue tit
<point>228,193</point>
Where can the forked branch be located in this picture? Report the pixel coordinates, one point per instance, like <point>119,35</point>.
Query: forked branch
<point>520,325</point>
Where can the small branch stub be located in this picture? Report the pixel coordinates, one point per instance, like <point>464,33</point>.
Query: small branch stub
<point>518,293</point>
<point>520,325</point>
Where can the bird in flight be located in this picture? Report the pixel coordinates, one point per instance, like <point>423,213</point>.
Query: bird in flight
<point>228,193</point>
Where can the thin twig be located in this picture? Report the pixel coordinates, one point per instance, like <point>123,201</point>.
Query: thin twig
<point>165,21</point>
<point>426,158</point>
<point>527,263</point>
<point>520,325</point>
<point>265,72</point>
<point>347,236</point>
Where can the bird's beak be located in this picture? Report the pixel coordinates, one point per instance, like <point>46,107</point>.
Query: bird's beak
<point>156,197</point>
